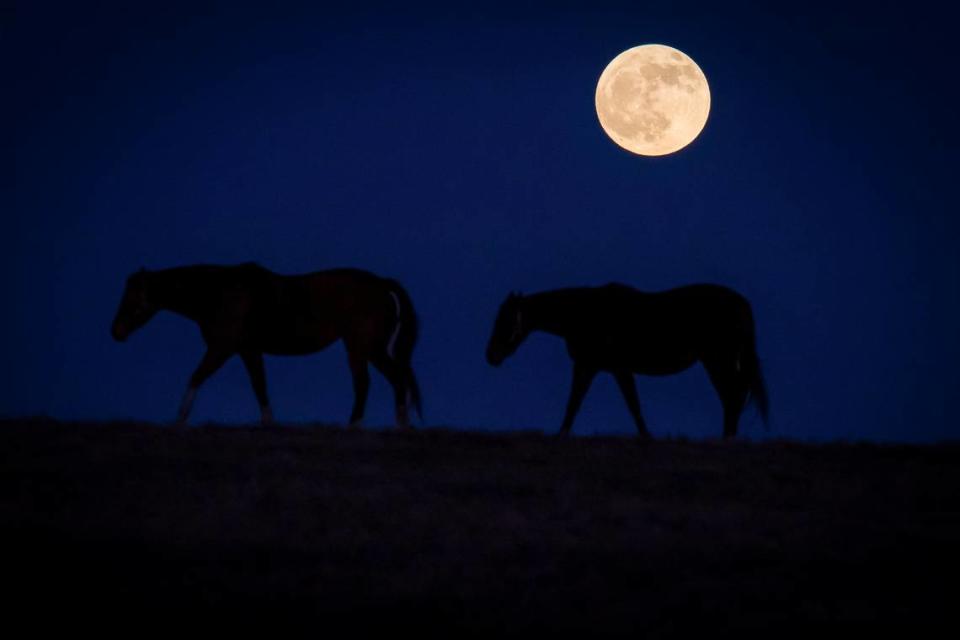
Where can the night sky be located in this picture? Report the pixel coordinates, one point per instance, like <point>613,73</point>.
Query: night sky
<point>456,148</point>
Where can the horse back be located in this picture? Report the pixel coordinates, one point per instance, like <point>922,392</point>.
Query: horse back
<point>655,333</point>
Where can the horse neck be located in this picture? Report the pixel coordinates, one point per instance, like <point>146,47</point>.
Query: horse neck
<point>547,311</point>
<point>180,290</point>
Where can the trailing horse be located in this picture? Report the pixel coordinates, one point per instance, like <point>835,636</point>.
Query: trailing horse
<point>249,310</point>
<point>619,329</point>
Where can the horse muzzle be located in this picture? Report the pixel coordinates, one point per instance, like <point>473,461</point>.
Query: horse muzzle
<point>119,333</point>
<point>495,358</point>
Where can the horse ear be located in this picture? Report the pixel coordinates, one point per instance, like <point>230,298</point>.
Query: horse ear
<point>142,270</point>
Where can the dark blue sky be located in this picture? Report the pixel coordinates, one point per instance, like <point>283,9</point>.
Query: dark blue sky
<point>458,150</point>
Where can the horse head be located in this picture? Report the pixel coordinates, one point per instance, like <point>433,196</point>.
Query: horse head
<point>136,307</point>
<point>509,330</point>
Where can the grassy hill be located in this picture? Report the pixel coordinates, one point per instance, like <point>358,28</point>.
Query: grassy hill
<point>453,533</point>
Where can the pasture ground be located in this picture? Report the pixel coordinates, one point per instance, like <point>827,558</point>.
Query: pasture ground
<point>128,527</point>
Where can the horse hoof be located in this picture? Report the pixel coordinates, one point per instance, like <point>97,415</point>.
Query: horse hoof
<point>266,417</point>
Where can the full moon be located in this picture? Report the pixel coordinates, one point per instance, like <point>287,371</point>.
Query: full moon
<point>653,100</point>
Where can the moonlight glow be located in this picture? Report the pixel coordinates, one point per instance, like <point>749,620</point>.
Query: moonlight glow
<point>652,100</point>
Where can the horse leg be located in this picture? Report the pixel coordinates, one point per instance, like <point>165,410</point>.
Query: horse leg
<point>397,377</point>
<point>629,390</point>
<point>253,361</point>
<point>361,386</point>
<point>732,389</point>
<point>582,377</point>
<point>212,360</point>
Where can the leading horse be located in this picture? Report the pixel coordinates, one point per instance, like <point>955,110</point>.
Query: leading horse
<point>622,330</point>
<point>249,311</point>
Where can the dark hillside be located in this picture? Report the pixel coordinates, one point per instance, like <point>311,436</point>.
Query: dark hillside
<point>463,533</point>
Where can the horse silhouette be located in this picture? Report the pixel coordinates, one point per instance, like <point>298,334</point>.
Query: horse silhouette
<point>249,310</point>
<point>621,330</point>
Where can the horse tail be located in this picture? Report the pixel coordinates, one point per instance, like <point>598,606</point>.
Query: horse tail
<point>403,339</point>
<point>757,388</point>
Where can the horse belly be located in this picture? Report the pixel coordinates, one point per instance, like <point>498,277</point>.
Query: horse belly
<point>662,357</point>
<point>297,338</point>
<point>654,357</point>
<point>664,366</point>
